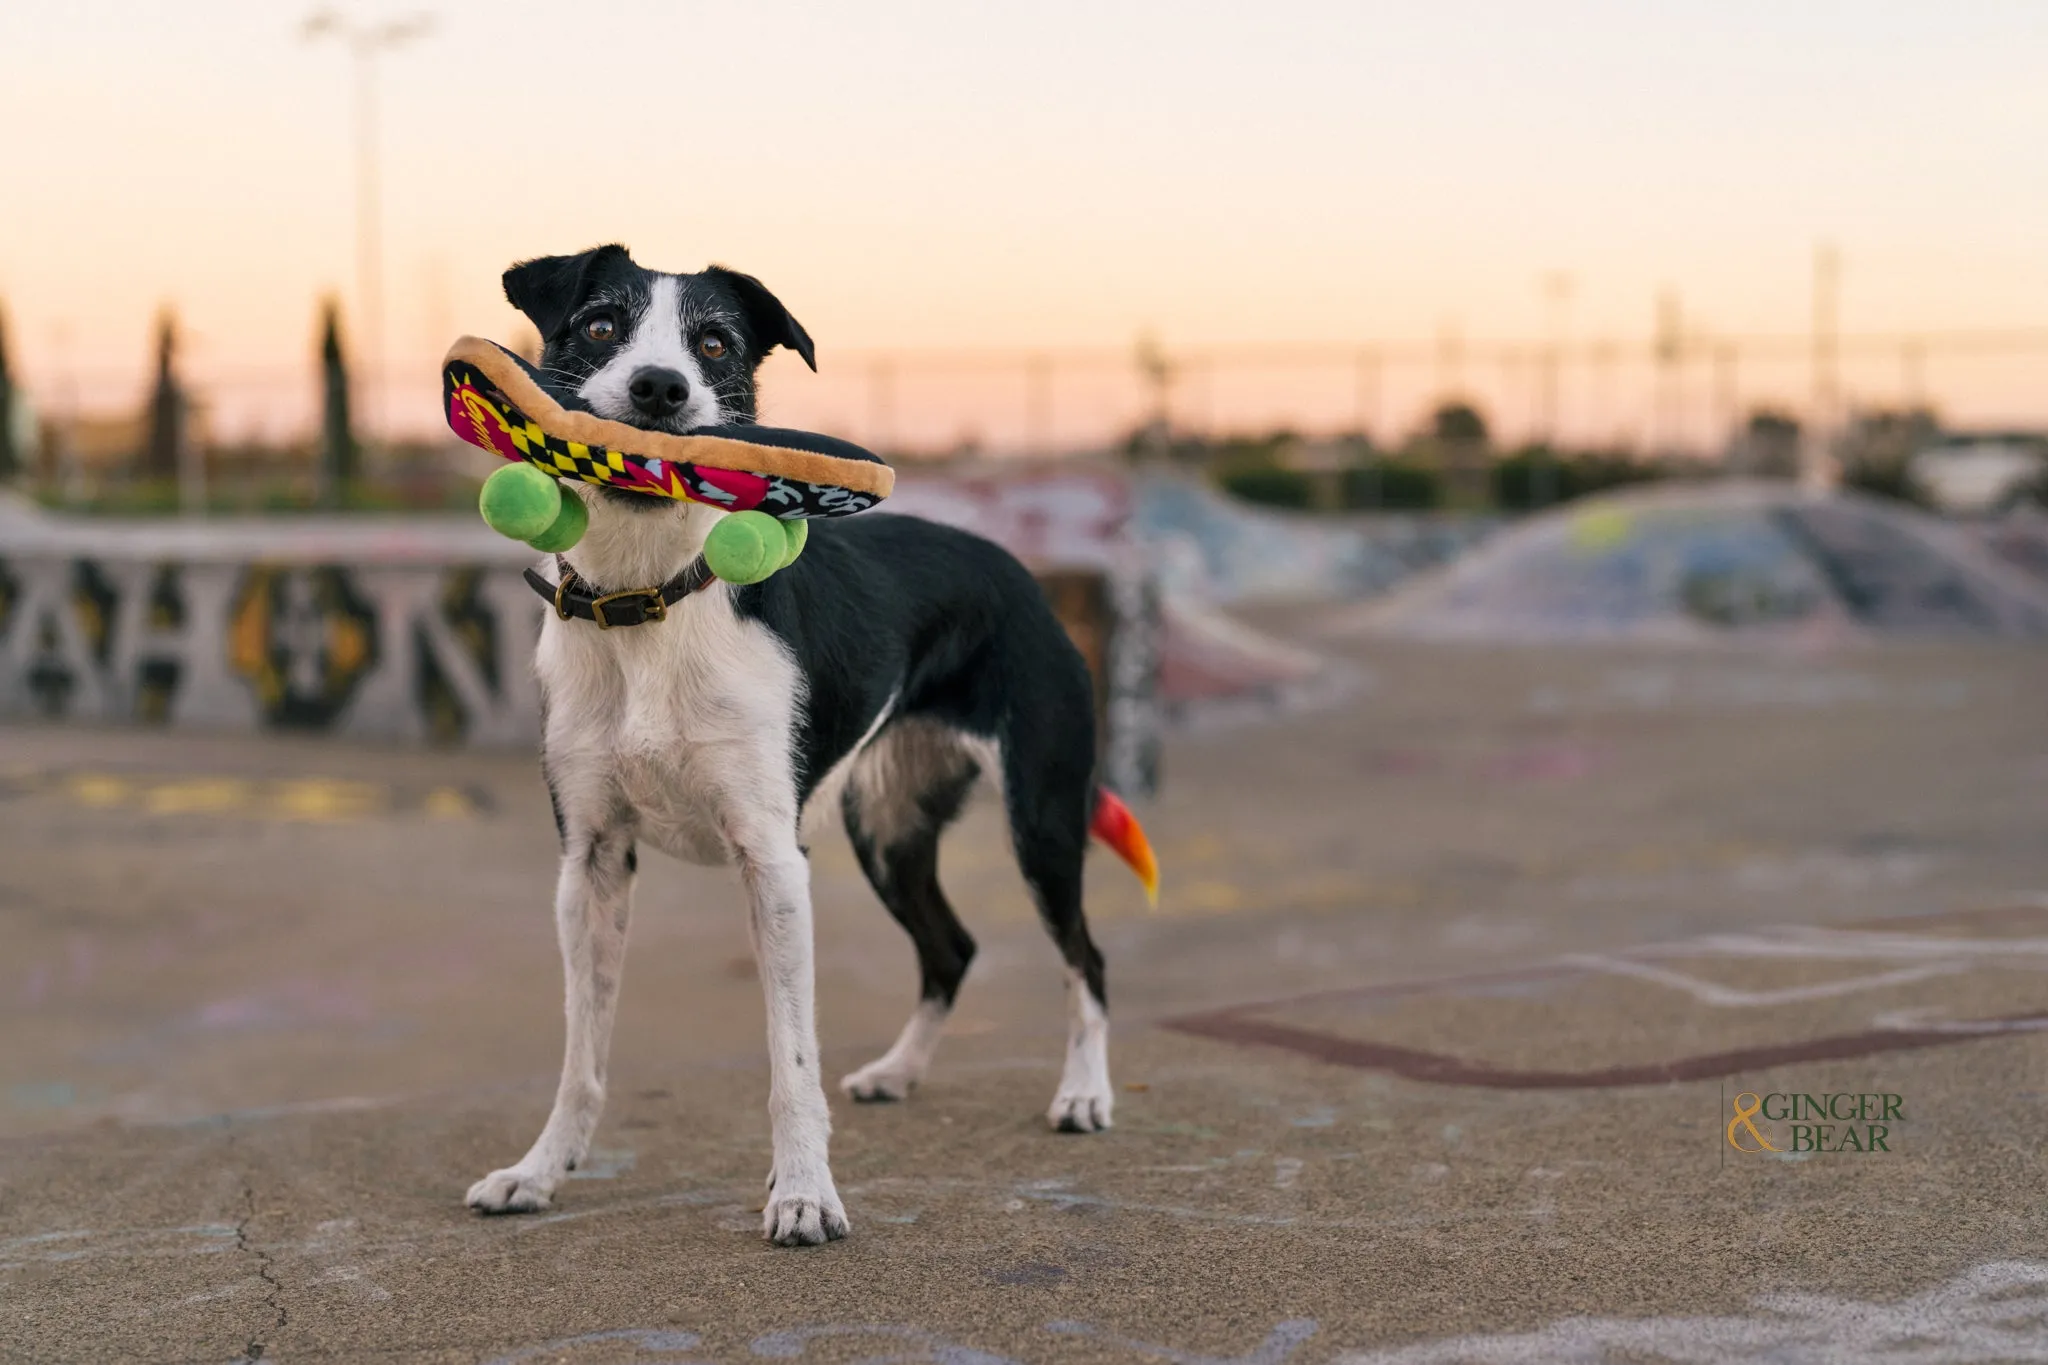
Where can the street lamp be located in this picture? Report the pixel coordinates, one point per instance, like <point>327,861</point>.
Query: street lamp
<point>1557,293</point>
<point>365,43</point>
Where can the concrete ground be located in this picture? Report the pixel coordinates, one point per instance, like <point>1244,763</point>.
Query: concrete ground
<point>1432,1053</point>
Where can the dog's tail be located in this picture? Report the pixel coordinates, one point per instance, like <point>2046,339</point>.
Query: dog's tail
<point>1116,826</point>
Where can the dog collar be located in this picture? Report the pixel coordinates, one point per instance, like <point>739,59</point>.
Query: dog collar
<point>632,607</point>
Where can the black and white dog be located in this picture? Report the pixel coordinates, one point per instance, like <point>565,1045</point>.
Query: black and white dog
<point>886,669</point>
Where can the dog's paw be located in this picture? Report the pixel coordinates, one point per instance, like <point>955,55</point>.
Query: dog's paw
<point>878,1082</point>
<point>1080,1111</point>
<point>803,1216</point>
<point>514,1190</point>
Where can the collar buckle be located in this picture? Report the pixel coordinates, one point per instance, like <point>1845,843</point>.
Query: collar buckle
<point>656,609</point>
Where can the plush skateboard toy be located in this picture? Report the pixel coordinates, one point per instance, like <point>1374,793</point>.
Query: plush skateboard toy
<point>770,480</point>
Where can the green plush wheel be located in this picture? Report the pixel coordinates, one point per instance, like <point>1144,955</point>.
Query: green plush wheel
<point>527,504</point>
<point>521,502</point>
<point>798,534</point>
<point>567,528</point>
<point>746,547</point>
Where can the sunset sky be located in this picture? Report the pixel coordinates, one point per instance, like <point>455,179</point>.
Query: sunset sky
<point>934,176</point>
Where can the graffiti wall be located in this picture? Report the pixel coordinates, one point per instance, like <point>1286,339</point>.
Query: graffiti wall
<point>421,630</point>
<point>410,652</point>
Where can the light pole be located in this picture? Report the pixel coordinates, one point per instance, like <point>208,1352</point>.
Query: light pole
<point>1557,293</point>
<point>1666,400</point>
<point>1157,371</point>
<point>1038,406</point>
<point>1817,470</point>
<point>365,43</point>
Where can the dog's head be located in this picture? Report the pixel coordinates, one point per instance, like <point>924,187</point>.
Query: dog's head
<point>657,351</point>
<point>653,350</point>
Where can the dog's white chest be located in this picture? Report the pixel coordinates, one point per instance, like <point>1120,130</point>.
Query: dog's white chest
<point>675,808</point>
<point>691,719</point>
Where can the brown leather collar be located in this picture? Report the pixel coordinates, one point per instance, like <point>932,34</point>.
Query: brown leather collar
<point>632,607</point>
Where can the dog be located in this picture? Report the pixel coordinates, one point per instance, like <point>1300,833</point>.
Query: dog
<point>885,670</point>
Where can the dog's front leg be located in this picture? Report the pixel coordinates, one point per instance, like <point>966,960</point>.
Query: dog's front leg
<point>803,1205</point>
<point>593,904</point>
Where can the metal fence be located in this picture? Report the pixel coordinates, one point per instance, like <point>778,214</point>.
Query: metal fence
<point>1678,392</point>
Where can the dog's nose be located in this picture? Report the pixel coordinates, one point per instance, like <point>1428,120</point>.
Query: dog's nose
<point>658,392</point>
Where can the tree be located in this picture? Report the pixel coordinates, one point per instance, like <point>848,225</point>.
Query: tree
<point>337,442</point>
<point>1768,446</point>
<point>1456,444</point>
<point>1458,423</point>
<point>166,405</point>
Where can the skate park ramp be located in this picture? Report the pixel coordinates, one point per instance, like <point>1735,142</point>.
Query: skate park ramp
<point>1748,562</point>
<point>1219,549</point>
<point>1223,565</point>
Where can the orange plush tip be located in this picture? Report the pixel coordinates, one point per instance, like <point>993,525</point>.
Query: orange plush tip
<point>1117,827</point>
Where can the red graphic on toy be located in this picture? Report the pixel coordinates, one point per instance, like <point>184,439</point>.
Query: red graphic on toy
<point>469,409</point>
<point>734,489</point>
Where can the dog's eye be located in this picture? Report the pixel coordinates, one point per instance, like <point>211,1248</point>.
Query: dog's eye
<point>600,328</point>
<point>711,345</point>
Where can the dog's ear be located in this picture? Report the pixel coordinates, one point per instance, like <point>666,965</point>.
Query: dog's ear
<point>548,288</point>
<point>770,321</point>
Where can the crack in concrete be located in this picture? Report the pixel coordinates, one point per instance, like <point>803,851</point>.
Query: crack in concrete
<point>273,1295</point>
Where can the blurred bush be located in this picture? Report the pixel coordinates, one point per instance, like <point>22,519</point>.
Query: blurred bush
<point>1449,464</point>
<point>1391,484</point>
<point>1536,476</point>
<point>1270,486</point>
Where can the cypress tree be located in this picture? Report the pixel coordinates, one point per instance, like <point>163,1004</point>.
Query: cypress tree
<point>166,405</point>
<point>338,463</point>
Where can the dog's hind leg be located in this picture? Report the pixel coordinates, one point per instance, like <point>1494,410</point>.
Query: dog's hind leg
<point>593,904</point>
<point>1048,803</point>
<point>902,793</point>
